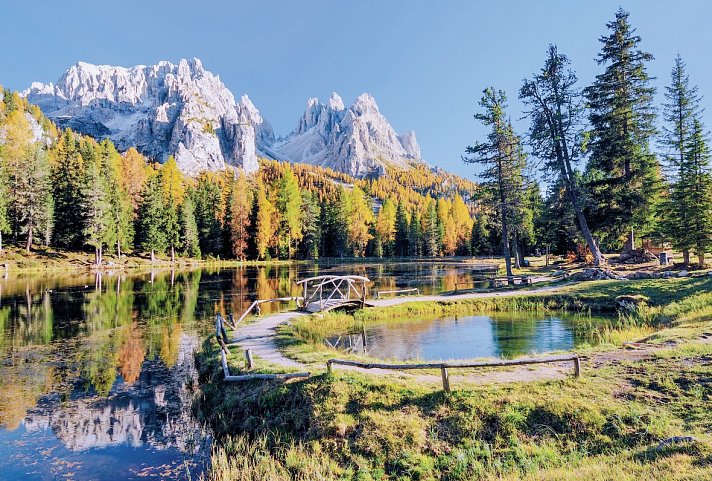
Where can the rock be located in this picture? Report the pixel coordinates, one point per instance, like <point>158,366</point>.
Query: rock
<point>357,140</point>
<point>630,302</point>
<point>596,274</point>
<point>164,109</point>
<point>683,273</point>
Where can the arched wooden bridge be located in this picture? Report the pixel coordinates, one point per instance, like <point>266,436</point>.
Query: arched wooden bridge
<point>324,293</point>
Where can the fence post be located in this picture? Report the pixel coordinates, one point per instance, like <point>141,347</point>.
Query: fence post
<point>577,366</point>
<point>328,366</point>
<point>446,379</point>
<point>248,357</point>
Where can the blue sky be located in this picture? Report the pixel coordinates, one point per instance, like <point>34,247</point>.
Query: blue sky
<point>425,62</point>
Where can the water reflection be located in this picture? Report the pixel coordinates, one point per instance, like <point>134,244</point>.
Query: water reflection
<point>466,337</point>
<point>96,373</point>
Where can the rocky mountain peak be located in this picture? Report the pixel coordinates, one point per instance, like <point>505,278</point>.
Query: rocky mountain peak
<point>163,109</point>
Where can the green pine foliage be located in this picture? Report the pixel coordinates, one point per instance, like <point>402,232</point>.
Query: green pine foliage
<point>623,173</point>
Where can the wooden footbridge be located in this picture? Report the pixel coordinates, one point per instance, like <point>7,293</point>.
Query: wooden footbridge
<point>324,293</point>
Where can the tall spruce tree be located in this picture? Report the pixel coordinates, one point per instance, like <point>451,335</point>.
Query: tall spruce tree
<point>188,228</point>
<point>311,229</point>
<point>151,230</point>
<point>685,152</point>
<point>5,226</point>
<point>68,182</point>
<point>502,157</point>
<point>95,210</point>
<point>556,133</point>
<point>697,178</point>
<point>401,235</point>
<point>623,173</point>
<point>32,196</point>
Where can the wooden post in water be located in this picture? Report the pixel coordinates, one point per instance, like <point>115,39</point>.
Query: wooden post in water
<point>446,379</point>
<point>248,358</point>
<point>363,294</point>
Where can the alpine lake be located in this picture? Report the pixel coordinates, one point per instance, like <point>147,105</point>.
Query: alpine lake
<point>97,371</point>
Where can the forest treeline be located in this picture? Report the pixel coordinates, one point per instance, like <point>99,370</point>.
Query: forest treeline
<point>66,190</point>
<point>613,165</point>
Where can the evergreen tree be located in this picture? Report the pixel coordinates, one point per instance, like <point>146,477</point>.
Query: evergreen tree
<point>239,204</point>
<point>289,200</point>
<point>311,230</point>
<point>502,157</point>
<point>120,226</point>
<point>415,235</point>
<point>480,245</point>
<point>189,229</point>
<point>684,145</point>
<point>431,230</point>
<point>556,133</point>
<point>151,230</point>
<point>622,171</point>
<point>5,226</point>
<point>31,196</point>
<point>401,235</point>
<point>697,178</point>
<point>68,180</point>
<point>95,211</point>
<point>207,202</point>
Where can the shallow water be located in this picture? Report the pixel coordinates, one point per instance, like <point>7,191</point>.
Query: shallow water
<point>97,373</point>
<point>467,337</point>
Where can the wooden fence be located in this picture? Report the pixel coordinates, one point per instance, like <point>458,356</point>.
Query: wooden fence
<point>444,366</point>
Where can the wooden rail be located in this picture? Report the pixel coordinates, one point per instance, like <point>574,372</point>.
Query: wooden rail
<point>398,291</point>
<point>256,305</point>
<point>253,376</point>
<point>444,366</point>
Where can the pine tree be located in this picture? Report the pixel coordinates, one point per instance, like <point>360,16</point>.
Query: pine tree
<point>623,173</point>
<point>207,201</point>
<point>31,196</point>
<point>681,111</point>
<point>240,202</point>
<point>173,193</point>
<point>415,235</point>
<point>311,230</point>
<point>5,226</point>
<point>431,230</point>
<point>189,229</point>
<point>698,180</point>
<point>95,211</point>
<point>151,230</point>
<point>556,133</point>
<point>401,235</point>
<point>68,181</point>
<point>502,157</point>
<point>479,240</point>
<point>289,200</point>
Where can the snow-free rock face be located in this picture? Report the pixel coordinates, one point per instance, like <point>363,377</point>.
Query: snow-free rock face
<point>357,140</point>
<point>164,109</point>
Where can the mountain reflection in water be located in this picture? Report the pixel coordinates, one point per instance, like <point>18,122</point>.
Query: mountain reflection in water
<point>96,371</point>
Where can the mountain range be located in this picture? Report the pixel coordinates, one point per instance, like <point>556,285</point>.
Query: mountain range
<point>185,110</point>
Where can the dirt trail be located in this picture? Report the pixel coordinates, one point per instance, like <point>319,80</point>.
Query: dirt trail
<point>260,338</point>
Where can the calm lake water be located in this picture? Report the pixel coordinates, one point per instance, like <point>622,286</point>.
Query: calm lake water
<point>97,372</point>
<point>467,337</point>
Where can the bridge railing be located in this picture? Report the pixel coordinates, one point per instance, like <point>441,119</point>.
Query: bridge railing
<point>323,290</point>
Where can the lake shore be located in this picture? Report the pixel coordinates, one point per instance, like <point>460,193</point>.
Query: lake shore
<point>351,425</point>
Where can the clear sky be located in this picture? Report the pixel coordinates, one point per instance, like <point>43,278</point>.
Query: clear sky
<point>425,62</point>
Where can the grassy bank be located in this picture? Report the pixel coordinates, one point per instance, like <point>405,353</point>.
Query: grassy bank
<point>607,425</point>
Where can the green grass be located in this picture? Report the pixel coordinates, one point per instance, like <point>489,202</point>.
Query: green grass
<point>350,426</point>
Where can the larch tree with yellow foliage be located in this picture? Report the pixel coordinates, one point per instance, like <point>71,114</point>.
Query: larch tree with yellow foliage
<point>360,218</point>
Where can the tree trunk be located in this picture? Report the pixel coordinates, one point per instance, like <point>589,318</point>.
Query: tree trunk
<point>515,245</point>
<point>173,254</point>
<point>0,241</point>
<point>97,262</point>
<point>686,256</point>
<point>701,259</point>
<point>505,245</point>
<point>118,249</point>
<point>28,246</point>
<point>153,255</point>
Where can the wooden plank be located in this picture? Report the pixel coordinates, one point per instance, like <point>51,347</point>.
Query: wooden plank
<point>439,365</point>
<point>252,377</point>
